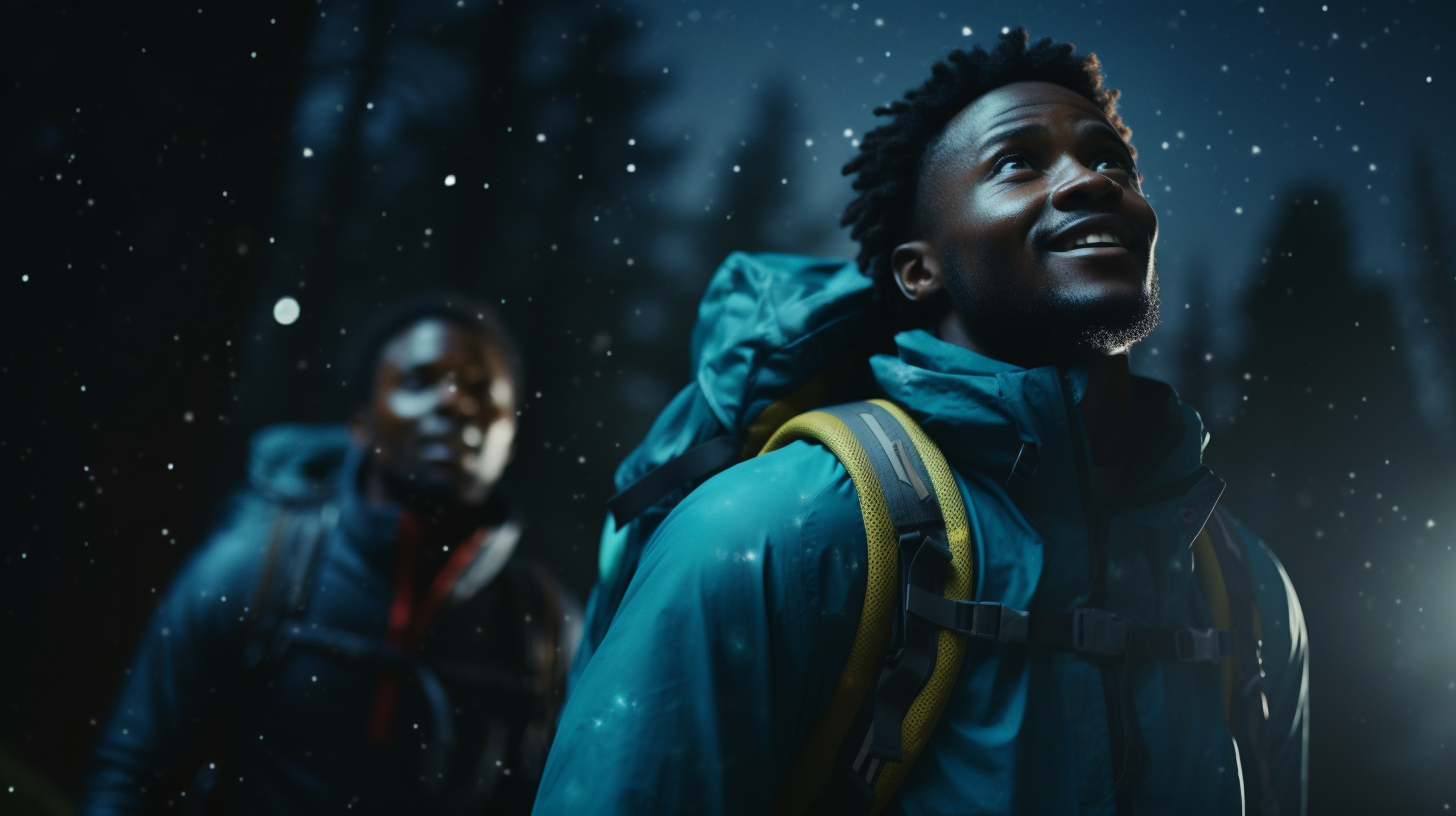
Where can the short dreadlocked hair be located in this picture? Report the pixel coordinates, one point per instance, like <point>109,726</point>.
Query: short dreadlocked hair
<point>891,157</point>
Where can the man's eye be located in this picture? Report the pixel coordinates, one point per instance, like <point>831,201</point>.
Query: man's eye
<point>1112,163</point>
<point>1012,163</point>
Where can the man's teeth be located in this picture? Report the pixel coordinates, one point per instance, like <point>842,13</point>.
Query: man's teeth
<point>1096,238</point>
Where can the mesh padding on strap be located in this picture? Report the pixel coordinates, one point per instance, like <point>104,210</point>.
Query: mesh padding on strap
<point>809,771</point>
<point>811,768</point>
<point>776,415</point>
<point>925,711</point>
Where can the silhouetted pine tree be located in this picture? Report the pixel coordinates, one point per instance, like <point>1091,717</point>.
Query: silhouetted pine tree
<point>1195,352</point>
<point>754,199</point>
<point>1430,242</point>
<point>1320,460</point>
<point>1323,386</point>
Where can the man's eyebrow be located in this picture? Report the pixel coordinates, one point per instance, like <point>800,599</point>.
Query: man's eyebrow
<point>1009,133</point>
<point>1102,128</point>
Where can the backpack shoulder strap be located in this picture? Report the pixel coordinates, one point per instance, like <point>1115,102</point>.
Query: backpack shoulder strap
<point>281,590</point>
<point>863,745</point>
<point>1226,580</point>
<point>286,578</point>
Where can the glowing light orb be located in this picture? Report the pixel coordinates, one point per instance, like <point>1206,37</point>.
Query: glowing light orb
<point>286,311</point>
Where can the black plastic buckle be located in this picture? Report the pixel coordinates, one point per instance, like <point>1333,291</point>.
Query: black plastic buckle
<point>1201,645</point>
<point>999,622</point>
<point>914,542</point>
<point>1098,633</point>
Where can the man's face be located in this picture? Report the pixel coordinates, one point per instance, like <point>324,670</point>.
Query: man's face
<point>443,413</point>
<point>1032,209</point>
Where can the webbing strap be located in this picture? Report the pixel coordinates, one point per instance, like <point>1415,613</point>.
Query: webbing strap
<point>917,519</point>
<point>696,463</point>
<point>285,582</point>
<point>1087,631</point>
<point>976,618</point>
<point>373,653</point>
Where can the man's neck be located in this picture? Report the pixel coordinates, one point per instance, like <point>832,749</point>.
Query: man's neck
<point>442,524</point>
<point>1106,408</point>
<point>1106,405</point>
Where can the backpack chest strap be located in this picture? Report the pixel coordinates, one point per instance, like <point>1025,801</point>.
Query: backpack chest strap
<point>1090,632</point>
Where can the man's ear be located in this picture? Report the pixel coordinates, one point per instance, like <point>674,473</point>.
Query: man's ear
<point>917,270</point>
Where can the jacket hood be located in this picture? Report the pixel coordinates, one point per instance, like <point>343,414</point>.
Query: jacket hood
<point>297,462</point>
<point>987,413</point>
<point>767,325</point>
<point>769,322</point>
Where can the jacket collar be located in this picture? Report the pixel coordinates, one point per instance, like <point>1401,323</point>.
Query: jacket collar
<point>1022,428</point>
<point>373,530</point>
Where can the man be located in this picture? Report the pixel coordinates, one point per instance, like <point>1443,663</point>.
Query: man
<point>1000,215</point>
<point>359,637</point>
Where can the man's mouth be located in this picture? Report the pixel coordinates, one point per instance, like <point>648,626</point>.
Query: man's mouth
<point>1103,231</point>
<point>438,453</point>
<point>1097,239</point>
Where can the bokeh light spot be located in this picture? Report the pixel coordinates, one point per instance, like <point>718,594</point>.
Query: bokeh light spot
<point>286,311</point>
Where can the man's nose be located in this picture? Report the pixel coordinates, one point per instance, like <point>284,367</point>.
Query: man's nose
<point>1077,186</point>
<point>447,393</point>
<point>452,399</point>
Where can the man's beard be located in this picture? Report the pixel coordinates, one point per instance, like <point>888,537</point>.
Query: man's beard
<point>1013,322</point>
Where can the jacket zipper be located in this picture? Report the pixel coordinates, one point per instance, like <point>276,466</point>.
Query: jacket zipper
<point>1098,523</point>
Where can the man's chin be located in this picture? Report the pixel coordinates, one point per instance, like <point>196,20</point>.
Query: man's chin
<point>1114,324</point>
<point>1075,314</point>
<point>1035,329</point>
<point>438,485</point>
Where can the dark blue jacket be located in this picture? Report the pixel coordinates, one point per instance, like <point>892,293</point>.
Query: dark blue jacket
<point>740,615</point>
<point>276,709</point>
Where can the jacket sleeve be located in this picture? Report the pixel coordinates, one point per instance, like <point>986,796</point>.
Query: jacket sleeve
<point>1285,656</point>
<point>186,666</point>
<point>732,632</point>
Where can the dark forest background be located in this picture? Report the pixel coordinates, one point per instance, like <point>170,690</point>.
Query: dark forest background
<point>172,172</point>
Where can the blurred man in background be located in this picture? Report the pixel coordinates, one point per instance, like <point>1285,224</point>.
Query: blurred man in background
<point>360,635</point>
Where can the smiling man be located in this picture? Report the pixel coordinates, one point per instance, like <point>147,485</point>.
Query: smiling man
<point>360,637</point>
<point>1002,222</point>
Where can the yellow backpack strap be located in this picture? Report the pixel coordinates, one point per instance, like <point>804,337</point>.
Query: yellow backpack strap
<point>1226,580</point>
<point>1209,575</point>
<point>878,719</point>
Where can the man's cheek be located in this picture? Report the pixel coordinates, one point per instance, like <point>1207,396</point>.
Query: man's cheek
<point>412,404</point>
<point>493,452</point>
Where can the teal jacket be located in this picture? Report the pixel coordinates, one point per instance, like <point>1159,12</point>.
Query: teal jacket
<point>740,615</point>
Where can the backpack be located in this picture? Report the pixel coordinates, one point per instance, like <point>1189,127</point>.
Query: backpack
<point>302,516</point>
<point>780,354</point>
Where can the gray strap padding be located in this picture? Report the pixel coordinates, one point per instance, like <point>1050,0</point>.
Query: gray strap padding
<point>900,471</point>
<point>916,516</point>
